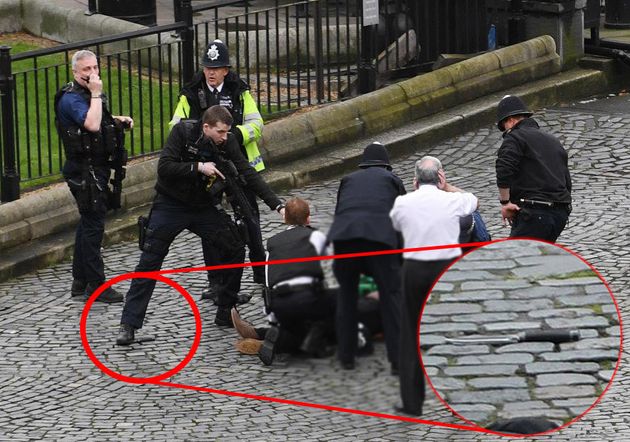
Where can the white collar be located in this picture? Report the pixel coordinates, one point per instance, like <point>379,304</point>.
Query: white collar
<point>219,88</point>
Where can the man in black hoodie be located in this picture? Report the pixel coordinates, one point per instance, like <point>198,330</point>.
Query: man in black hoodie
<point>193,160</point>
<point>532,175</point>
<point>217,84</point>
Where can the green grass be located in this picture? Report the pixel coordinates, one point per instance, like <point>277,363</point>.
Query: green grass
<point>39,150</point>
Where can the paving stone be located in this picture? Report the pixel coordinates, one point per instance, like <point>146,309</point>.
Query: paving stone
<point>579,300</point>
<point>428,340</point>
<point>536,412</point>
<point>452,308</point>
<point>443,287</point>
<point>526,347</point>
<point>454,275</point>
<point>570,281</point>
<point>606,375</point>
<point>574,402</point>
<point>448,327</point>
<point>510,326</point>
<point>437,361</point>
<point>495,285</point>
<point>586,344</point>
<point>472,263</point>
<point>546,380</point>
<point>582,355</point>
<point>456,350</point>
<point>497,382</point>
<point>525,405</point>
<point>481,370</point>
<point>561,367</point>
<point>613,331</point>
<point>482,318</point>
<point>540,292</point>
<point>560,313</point>
<point>447,384</point>
<point>559,392</point>
<point>581,322</point>
<point>516,306</point>
<point>507,358</point>
<point>481,295</point>
<point>496,397</point>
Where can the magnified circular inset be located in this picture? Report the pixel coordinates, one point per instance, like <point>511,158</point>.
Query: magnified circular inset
<point>520,336</point>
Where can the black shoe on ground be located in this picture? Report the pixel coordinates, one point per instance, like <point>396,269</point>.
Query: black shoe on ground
<point>78,288</point>
<point>109,295</point>
<point>210,293</point>
<point>268,348</point>
<point>398,407</point>
<point>223,317</point>
<point>243,298</point>
<point>348,365</point>
<point>126,335</point>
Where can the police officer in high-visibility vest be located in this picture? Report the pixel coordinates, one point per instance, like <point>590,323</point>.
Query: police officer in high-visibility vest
<point>216,84</point>
<point>93,144</point>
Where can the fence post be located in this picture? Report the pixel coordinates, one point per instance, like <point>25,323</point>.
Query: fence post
<point>319,53</point>
<point>367,67</point>
<point>177,10</point>
<point>10,175</point>
<point>187,36</point>
<point>91,10</point>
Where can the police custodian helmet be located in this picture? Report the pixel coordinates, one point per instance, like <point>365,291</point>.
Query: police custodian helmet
<point>509,106</point>
<point>375,154</point>
<point>216,55</point>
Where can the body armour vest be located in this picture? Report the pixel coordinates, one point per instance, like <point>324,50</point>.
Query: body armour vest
<point>80,144</point>
<point>292,243</point>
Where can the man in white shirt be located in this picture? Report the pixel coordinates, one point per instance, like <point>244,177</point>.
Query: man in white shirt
<point>429,216</point>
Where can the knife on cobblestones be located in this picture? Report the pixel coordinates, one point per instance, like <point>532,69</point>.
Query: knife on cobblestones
<point>555,336</point>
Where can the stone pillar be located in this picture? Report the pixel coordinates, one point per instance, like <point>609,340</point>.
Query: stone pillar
<point>561,19</point>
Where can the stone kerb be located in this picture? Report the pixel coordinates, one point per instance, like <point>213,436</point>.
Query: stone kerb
<point>409,100</point>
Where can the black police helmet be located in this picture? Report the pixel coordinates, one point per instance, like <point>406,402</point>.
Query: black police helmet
<point>510,106</point>
<point>216,55</point>
<point>375,154</point>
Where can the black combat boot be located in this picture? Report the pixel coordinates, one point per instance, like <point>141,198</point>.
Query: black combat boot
<point>109,295</point>
<point>78,288</point>
<point>223,317</point>
<point>268,349</point>
<point>126,335</point>
<point>210,293</point>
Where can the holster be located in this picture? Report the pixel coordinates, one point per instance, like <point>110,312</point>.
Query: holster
<point>143,224</point>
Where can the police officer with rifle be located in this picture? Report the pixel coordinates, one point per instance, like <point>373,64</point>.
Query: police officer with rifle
<point>195,159</point>
<point>93,142</point>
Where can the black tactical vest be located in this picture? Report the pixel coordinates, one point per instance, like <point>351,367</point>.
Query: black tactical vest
<point>82,145</point>
<point>292,243</point>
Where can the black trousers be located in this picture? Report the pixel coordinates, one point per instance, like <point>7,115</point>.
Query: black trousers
<point>87,262</point>
<point>168,219</point>
<point>541,223</point>
<point>254,244</point>
<point>297,311</point>
<point>385,269</point>
<point>417,279</point>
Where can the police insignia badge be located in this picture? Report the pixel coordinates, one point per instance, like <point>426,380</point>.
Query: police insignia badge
<point>213,52</point>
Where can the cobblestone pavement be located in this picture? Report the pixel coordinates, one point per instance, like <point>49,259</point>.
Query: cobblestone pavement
<point>503,289</point>
<point>51,390</point>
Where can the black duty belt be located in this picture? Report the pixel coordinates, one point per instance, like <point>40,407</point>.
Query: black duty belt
<point>538,204</point>
<point>287,288</point>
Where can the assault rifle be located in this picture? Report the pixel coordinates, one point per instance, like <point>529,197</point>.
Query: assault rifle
<point>232,186</point>
<point>115,137</point>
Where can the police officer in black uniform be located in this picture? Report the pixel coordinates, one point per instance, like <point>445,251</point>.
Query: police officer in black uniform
<point>362,224</point>
<point>217,84</point>
<point>532,175</point>
<point>91,138</point>
<point>193,161</point>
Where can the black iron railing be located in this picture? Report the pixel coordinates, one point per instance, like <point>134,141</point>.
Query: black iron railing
<point>293,53</point>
